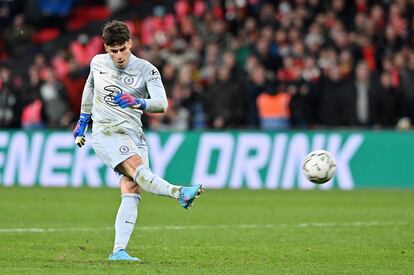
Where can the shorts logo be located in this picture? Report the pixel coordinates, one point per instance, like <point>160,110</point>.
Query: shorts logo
<point>124,149</point>
<point>128,80</point>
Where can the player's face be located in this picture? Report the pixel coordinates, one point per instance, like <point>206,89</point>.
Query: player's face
<point>120,53</point>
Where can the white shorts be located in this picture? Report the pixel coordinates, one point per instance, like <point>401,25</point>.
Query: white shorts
<point>113,145</point>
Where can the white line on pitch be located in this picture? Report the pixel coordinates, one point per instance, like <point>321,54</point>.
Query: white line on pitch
<point>203,227</point>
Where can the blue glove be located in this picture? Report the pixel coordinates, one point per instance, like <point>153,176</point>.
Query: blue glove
<point>80,129</point>
<point>126,100</point>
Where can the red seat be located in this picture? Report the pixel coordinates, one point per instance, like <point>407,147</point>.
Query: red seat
<point>81,16</point>
<point>45,35</point>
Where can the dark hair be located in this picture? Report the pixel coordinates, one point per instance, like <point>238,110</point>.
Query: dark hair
<point>115,33</point>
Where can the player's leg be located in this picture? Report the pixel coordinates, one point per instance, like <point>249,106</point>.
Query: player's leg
<point>127,212</point>
<point>126,218</point>
<point>128,153</point>
<point>134,167</point>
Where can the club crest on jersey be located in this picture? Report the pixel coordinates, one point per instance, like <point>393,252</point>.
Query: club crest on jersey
<point>124,149</point>
<point>128,80</point>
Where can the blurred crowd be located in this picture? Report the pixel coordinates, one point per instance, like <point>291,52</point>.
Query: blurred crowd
<point>225,64</point>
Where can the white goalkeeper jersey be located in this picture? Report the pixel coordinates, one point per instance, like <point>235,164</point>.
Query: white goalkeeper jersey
<point>139,78</point>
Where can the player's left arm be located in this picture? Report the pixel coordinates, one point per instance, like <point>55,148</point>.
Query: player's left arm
<point>157,101</point>
<point>86,111</point>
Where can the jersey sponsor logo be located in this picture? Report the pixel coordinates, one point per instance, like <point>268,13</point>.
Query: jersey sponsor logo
<point>154,72</point>
<point>113,91</point>
<point>153,78</point>
<point>128,80</point>
<point>124,149</point>
<point>117,77</point>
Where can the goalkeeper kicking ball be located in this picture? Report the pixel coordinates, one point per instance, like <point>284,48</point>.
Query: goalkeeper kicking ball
<point>319,166</point>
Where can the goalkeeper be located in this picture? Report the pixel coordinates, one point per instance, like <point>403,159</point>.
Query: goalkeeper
<point>119,88</point>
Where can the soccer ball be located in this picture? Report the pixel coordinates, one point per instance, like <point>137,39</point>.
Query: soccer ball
<point>319,166</point>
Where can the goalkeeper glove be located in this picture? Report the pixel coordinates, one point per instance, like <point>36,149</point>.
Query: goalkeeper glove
<point>126,100</point>
<point>80,129</point>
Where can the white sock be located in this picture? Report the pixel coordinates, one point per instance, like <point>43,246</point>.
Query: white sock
<point>125,219</point>
<point>154,184</point>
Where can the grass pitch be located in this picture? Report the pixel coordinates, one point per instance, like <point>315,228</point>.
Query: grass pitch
<point>70,231</point>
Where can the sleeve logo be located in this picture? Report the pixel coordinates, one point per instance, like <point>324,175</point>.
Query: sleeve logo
<point>153,78</point>
<point>154,72</point>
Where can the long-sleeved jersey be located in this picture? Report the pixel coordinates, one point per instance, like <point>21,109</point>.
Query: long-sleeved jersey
<point>139,78</point>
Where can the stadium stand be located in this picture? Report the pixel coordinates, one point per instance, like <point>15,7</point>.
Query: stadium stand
<point>224,63</point>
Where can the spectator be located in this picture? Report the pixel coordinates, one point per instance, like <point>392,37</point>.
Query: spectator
<point>254,85</point>
<point>300,105</point>
<point>361,98</point>
<point>332,111</point>
<point>54,99</point>
<point>273,106</point>
<point>178,55</point>
<point>389,102</point>
<point>74,81</point>
<point>33,116</point>
<point>224,102</point>
<point>262,51</point>
<point>40,65</point>
<point>407,86</point>
<point>10,100</point>
<point>176,118</point>
<point>156,27</point>
<point>168,78</point>
<point>19,36</point>
<point>85,48</point>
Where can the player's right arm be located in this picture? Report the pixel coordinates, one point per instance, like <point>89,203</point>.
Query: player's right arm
<point>86,110</point>
<point>157,101</point>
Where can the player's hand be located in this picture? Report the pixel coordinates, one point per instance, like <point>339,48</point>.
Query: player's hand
<point>80,129</point>
<point>80,141</point>
<point>125,100</point>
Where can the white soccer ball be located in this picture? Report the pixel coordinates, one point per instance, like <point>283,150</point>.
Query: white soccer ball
<point>319,166</point>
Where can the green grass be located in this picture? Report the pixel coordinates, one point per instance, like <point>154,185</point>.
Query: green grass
<point>227,232</point>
